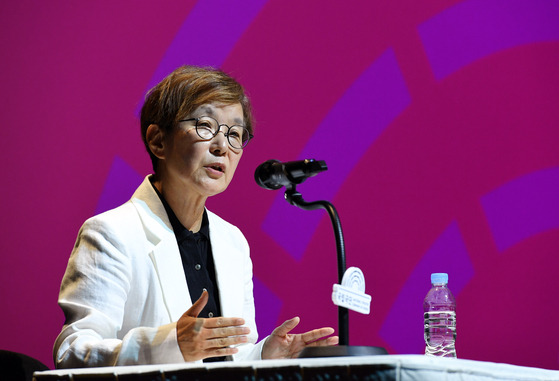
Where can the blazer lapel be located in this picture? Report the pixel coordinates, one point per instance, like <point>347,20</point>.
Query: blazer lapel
<point>167,263</point>
<point>229,270</point>
<point>165,253</point>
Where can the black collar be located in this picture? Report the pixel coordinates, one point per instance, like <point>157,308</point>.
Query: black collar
<point>181,232</point>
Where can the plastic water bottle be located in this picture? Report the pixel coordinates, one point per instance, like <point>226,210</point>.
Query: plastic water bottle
<point>439,309</point>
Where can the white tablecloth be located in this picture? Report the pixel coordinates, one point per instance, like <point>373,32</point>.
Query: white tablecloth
<point>391,367</point>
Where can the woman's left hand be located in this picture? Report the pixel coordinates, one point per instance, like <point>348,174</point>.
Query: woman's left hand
<point>281,344</point>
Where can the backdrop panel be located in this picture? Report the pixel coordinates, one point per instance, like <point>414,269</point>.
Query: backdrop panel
<point>438,121</point>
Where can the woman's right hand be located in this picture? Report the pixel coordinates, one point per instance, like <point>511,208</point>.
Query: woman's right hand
<point>200,338</point>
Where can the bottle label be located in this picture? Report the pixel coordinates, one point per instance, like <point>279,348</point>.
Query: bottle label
<point>440,333</point>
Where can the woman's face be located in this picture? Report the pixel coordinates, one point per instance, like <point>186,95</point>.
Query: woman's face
<point>203,167</point>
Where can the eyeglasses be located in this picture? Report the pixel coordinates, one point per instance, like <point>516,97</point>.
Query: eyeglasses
<point>207,128</point>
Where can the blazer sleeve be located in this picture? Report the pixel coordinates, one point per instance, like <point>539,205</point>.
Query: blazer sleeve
<point>94,297</point>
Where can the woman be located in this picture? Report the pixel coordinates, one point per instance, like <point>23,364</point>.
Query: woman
<point>161,279</point>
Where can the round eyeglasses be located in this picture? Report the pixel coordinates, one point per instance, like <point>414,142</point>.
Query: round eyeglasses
<point>207,128</point>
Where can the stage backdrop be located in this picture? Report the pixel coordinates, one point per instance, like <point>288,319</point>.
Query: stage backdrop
<point>438,121</point>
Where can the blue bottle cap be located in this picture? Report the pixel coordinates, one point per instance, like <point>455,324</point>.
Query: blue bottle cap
<point>438,278</point>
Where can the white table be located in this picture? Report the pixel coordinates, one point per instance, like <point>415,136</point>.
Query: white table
<point>385,368</point>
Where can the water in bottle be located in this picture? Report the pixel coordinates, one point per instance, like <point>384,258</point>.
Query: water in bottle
<point>439,309</point>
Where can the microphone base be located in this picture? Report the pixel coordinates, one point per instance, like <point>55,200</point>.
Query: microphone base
<point>341,351</point>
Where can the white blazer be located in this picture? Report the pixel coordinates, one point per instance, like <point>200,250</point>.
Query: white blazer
<point>124,288</point>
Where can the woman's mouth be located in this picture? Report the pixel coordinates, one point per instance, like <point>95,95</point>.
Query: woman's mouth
<point>216,168</point>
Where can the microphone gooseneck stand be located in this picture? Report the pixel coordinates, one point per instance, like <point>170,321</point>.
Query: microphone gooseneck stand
<point>296,199</point>
<point>343,349</point>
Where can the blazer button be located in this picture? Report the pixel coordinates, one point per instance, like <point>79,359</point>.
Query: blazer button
<point>211,314</point>
<point>197,267</point>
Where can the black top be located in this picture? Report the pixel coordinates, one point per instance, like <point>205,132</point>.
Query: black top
<point>197,260</point>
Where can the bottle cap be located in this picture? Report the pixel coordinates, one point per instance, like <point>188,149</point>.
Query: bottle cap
<point>438,278</point>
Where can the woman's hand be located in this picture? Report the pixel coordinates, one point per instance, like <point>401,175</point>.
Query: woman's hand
<point>200,338</point>
<point>281,344</point>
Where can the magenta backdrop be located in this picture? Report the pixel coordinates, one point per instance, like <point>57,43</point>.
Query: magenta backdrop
<point>438,121</point>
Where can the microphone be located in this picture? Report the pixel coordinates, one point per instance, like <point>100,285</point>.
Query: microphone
<point>274,174</point>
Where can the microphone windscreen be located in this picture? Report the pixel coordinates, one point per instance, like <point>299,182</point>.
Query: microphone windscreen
<point>266,172</point>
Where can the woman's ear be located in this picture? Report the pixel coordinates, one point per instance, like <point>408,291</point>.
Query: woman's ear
<point>155,139</point>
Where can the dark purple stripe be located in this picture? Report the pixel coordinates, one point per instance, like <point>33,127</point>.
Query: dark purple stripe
<point>268,307</point>
<point>523,207</point>
<point>207,36</point>
<point>119,186</point>
<point>474,29</point>
<point>448,254</point>
<point>352,125</point>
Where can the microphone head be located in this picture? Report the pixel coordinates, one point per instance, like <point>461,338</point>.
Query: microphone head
<point>265,175</point>
<point>274,174</point>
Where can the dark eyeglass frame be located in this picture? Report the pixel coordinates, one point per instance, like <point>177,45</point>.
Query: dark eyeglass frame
<point>244,144</point>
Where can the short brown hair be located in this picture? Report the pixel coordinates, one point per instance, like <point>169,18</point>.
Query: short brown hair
<point>184,90</point>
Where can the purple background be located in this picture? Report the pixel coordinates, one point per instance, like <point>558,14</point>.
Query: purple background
<point>438,121</point>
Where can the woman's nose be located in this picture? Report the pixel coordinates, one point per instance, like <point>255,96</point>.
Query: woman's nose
<point>219,142</point>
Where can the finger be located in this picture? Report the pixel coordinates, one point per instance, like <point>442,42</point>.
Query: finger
<point>220,322</point>
<point>218,352</point>
<point>316,334</point>
<point>215,333</point>
<point>225,342</point>
<point>286,327</point>
<point>199,305</point>
<point>327,341</point>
